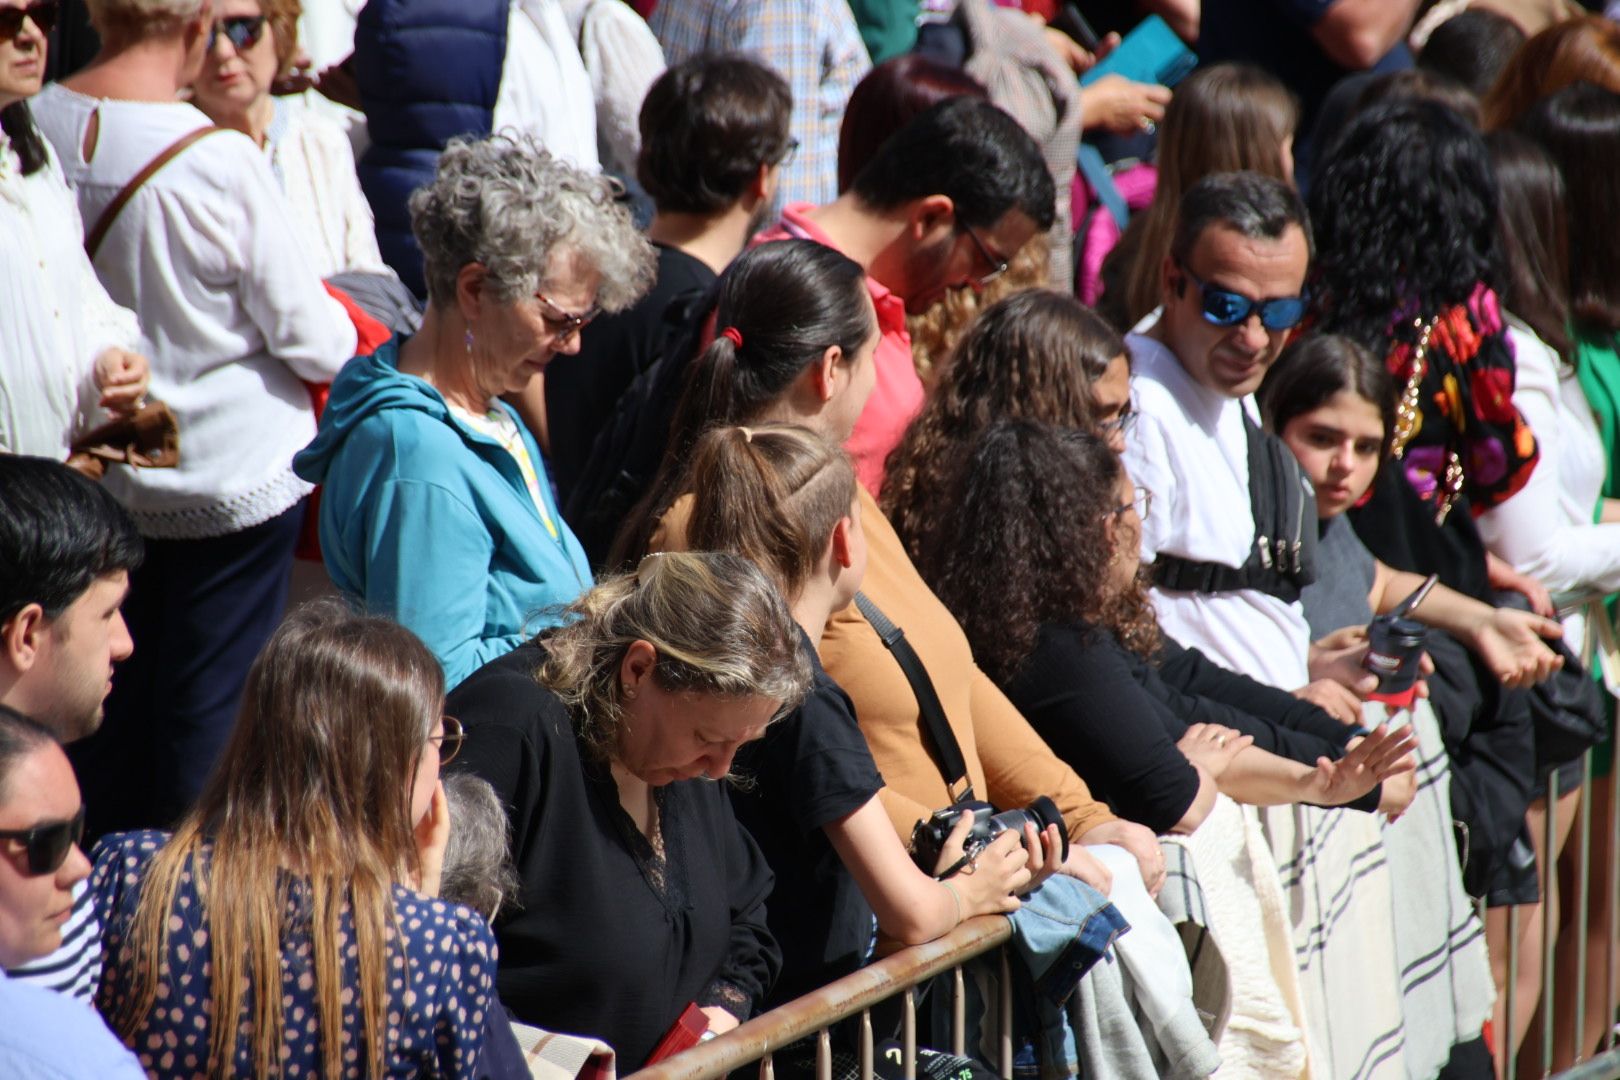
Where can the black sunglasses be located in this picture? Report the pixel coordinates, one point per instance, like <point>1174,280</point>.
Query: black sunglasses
<point>48,845</point>
<point>242,31</point>
<point>43,12</point>
<point>1223,307</point>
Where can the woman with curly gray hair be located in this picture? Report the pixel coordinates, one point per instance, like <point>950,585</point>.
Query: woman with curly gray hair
<point>436,509</point>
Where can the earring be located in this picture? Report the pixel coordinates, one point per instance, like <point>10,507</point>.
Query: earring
<point>467,339</point>
<point>629,693</point>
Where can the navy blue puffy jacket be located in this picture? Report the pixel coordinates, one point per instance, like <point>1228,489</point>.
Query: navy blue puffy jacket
<point>428,70</point>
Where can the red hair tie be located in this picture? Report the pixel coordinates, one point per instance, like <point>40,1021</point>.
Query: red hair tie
<point>733,335</point>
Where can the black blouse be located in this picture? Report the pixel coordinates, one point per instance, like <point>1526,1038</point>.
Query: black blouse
<point>1116,718</point>
<point>608,939</point>
<point>811,769</point>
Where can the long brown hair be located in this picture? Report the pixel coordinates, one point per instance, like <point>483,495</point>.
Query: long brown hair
<point>1023,542</point>
<point>772,493</point>
<point>1033,356</point>
<point>1584,49</point>
<point>1224,118</point>
<point>312,792</point>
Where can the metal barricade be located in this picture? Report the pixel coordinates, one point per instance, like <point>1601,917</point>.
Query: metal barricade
<point>1599,1059</point>
<point>815,1013</point>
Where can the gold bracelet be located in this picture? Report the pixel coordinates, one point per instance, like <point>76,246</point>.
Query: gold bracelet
<point>956,899</point>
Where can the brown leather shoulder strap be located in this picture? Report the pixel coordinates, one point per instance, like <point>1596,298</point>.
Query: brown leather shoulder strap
<point>92,241</point>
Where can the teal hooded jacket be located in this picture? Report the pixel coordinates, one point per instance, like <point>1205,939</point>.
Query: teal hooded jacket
<point>428,522</point>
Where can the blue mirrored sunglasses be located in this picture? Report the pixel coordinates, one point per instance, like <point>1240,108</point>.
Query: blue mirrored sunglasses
<point>1222,307</point>
<point>242,31</point>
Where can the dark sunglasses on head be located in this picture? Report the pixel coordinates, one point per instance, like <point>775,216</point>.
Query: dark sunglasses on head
<point>48,845</point>
<point>242,31</point>
<point>43,12</point>
<point>1223,307</point>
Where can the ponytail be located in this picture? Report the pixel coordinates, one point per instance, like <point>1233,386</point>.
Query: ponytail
<point>772,494</point>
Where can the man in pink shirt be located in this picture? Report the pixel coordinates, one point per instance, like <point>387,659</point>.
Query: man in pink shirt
<point>945,203</point>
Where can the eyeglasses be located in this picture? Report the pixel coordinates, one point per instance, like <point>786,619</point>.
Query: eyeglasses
<point>563,325</point>
<point>789,149</point>
<point>43,12</point>
<point>1121,423</point>
<point>998,265</point>
<point>1223,307</point>
<point>449,740</point>
<point>48,845</point>
<point>1142,502</point>
<point>242,31</point>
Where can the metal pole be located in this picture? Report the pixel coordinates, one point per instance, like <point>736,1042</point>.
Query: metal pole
<point>908,1034</point>
<point>823,1055</point>
<point>1549,934</point>
<point>1583,880</point>
<point>958,1013</point>
<point>1510,1059</point>
<point>1006,1018</point>
<point>866,1044</point>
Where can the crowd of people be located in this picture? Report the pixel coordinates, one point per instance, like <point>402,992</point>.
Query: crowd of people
<point>533,532</point>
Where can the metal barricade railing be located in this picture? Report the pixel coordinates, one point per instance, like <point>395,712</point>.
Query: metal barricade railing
<point>815,1013</point>
<point>1568,992</point>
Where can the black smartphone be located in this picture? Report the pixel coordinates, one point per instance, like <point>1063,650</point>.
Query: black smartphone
<point>1071,22</point>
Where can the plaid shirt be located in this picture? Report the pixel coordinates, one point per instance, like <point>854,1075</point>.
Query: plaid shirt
<point>813,44</point>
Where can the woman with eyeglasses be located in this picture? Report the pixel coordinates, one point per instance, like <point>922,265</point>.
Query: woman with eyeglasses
<point>436,508</point>
<point>609,739</point>
<point>251,45</point>
<point>41,822</point>
<point>203,249</point>
<point>289,926</point>
<point>65,346</point>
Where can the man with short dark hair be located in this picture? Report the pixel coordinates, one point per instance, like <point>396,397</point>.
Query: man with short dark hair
<point>1232,290</point>
<point>714,137</point>
<point>66,552</point>
<point>946,202</point>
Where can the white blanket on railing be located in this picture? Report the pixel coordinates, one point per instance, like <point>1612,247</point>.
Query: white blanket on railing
<point>1446,987</point>
<point>1334,872</point>
<point>1247,916</point>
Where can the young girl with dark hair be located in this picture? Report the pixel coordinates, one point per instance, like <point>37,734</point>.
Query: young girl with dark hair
<point>1334,404</point>
<point>785,498</point>
<point>794,334</point>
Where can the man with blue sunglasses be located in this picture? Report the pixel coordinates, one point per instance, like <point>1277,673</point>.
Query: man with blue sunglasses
<point>1227,566</point>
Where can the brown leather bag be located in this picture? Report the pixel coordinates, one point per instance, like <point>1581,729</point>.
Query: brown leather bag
<point>147,439</point>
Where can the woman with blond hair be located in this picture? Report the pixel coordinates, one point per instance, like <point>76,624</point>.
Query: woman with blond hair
<point>288,926</point>
<point>1224,118</point>
<point>642,901</point>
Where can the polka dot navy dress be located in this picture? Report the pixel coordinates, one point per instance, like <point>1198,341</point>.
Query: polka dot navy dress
<point>439,983</point>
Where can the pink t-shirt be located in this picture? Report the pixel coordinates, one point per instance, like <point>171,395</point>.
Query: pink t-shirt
<point>898,396</point>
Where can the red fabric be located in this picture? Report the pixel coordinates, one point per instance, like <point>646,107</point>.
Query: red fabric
<point>898,396</point>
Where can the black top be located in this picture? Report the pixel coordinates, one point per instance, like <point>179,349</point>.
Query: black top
<point>607,939</point>
<point>1115,717</point>
<point>1080,692</point>
<point>581,390</point>
<point>811,769</point>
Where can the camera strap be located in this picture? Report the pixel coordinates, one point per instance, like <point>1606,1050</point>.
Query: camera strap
<point>947,751</point>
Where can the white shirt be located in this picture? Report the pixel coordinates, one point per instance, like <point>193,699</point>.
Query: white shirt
<point>1189,448</point>
<point>623,59</point>
<point>544,90</point>
<point>58,318</point>
<point>232,313</point>
<point>1545,530</point>
<point>312,159</point>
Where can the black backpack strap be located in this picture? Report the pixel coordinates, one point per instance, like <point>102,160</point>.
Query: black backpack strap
<point>1282,559</point>
<point>946,749</point>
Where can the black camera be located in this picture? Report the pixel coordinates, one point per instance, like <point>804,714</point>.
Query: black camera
<point>928,838</point>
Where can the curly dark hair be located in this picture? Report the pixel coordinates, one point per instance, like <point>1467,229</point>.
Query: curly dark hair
<point>1033,355</point>
<point>1024,543</point>
<point>1405,218</point>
